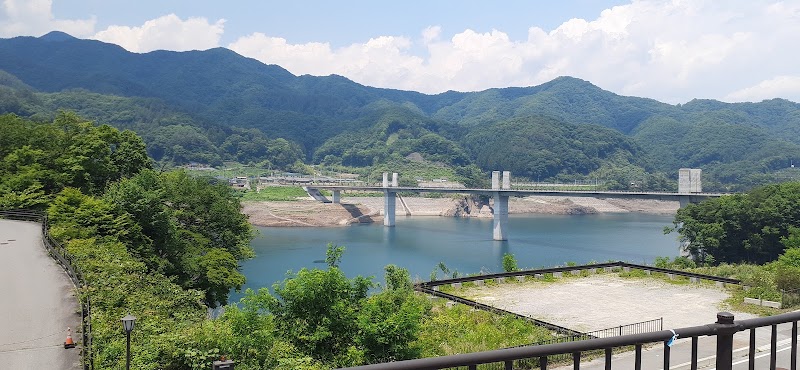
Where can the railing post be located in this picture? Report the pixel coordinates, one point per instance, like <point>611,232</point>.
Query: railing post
<point>725,330</point>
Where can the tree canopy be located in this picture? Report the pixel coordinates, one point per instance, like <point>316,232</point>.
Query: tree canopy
<point>752,227</point>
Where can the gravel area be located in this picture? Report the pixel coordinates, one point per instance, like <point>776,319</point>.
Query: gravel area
<point>606,300</point>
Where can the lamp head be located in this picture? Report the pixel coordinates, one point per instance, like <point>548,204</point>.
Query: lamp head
<point>128,323</point>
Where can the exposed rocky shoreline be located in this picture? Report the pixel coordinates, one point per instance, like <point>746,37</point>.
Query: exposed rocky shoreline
<point>310,213</point>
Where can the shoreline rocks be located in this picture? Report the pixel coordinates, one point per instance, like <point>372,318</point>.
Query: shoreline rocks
<point>353,210</point>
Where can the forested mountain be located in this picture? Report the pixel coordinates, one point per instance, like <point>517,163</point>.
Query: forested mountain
<point>215,105</point>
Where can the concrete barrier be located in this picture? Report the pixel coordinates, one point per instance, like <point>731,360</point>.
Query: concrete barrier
<point>576,272</point>
<point>456,285</point>
<point>539,276</point>
<point>626,269</point>
<point>720,284</point>
<point>762,302</point>
<point>592,270</point>
<point>500,280</point>
<point>772,304</point>
<point>648,272</point>
<point>521,278</point>
<point>671,276</point>
<point>557,274</point>
<point>694,280</point>
<point>479,282</point>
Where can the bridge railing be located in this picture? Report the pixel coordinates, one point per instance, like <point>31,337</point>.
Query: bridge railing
<point>60,254</point>
<point>723,329</point>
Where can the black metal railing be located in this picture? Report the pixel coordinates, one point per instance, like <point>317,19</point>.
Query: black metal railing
<point>635,328</point>
<point>60,254</point>
<point>723,329</point>
<point>569,269</point>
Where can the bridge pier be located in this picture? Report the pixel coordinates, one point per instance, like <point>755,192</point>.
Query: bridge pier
<point>688,199</point>
<point>337,196</point>
<point>389,205</point>
<point>500,217</point>
<point>389,199</point>
<point>500,214</point>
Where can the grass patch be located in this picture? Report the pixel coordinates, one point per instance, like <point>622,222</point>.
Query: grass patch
<point>275,193</point>
<point>736,303</point>
<point>460,329</point>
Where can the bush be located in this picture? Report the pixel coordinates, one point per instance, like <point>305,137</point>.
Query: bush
<point>509,263</point>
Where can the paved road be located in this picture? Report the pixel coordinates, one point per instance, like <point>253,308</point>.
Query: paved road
<point>37,303</point>
<point>680,353</point>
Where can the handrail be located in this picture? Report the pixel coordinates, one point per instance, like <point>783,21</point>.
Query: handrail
<point>60,254</point>
<point>720,328</point>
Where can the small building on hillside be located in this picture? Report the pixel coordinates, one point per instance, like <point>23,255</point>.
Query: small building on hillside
<point>240,182</point>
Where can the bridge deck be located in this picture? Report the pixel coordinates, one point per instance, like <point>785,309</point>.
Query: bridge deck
<point>524,192</point>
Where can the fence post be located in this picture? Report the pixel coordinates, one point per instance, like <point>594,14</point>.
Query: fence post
<point>725,330</point>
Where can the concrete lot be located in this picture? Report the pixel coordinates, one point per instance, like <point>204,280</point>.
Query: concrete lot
<point>37,303</point>
<point>606,300</point>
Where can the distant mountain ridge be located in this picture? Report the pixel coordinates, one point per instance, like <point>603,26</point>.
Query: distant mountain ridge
<point>218,90</point>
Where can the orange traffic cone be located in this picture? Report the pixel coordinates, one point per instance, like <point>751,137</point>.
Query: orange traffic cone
<point>69,343</point>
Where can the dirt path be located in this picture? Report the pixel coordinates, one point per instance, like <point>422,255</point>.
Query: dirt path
<point>37,305</point>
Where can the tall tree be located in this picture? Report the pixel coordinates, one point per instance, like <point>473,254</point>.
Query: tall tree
<point>748,227</point>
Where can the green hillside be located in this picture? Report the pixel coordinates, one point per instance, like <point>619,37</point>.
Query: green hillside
<point>215,105</point>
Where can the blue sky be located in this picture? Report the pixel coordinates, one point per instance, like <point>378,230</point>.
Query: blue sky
<point>669,50</point>
<point>343,23</point>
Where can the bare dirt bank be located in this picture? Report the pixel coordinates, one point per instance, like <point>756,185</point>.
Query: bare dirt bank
<point>306,212</point>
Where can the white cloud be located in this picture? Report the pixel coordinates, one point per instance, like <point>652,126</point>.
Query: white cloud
<point>669,50</point>
<point>774,87</point>
<point>431,34</point>
<point>168,32</point>
<point>35,18</point>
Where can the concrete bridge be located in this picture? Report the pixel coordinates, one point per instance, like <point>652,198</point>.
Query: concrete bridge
<point>500,192</point>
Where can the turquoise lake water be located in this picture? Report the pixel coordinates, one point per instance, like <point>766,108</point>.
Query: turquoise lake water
<point>463,244</point>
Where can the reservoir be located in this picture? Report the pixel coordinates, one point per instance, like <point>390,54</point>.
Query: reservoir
<point>465,245</point>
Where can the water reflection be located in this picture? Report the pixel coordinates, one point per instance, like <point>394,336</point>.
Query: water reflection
<point>466,245</point>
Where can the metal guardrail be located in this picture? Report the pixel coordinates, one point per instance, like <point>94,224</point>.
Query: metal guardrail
<point>723,329</point>
<point>618,264</point>
<point>635,328</point>
<point>60,254</point>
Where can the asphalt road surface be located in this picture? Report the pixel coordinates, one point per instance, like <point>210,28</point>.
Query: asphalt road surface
<point>680,353</point>
<point>37,303</point>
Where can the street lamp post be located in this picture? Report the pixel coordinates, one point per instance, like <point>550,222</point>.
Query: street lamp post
<point>127,324</point>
